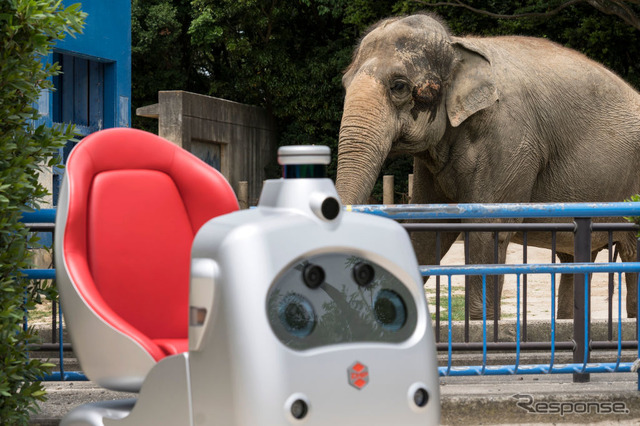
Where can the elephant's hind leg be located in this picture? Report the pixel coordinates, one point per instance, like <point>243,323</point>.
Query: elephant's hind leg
<point>565,290</point>
<point>482,252</point>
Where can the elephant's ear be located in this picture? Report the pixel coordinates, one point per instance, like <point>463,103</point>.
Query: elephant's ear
<point>472,86</point>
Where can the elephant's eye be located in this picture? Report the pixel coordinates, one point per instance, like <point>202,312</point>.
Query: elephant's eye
<point>398,86</point>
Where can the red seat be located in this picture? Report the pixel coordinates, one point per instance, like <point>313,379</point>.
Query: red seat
<point>130,205</point>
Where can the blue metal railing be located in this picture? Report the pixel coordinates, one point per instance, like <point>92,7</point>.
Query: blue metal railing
<point>47,217</point>
<point>43,216</point>
<point>483,211</point>
<point>519,270</point>
<point>498,211</point>
<point>40,216</point>
<point>578,211</point>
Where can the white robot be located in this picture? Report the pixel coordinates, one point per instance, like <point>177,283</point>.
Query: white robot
<point>300,314</point>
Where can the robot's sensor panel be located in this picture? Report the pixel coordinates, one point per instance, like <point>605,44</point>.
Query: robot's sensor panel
<point>335,298</point>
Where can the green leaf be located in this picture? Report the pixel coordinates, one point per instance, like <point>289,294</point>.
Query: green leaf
<point>28,30</point>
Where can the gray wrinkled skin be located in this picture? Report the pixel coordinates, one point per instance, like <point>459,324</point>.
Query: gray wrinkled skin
<point>489,120</point>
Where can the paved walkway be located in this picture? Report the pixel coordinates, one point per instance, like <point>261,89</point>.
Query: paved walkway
<point>553,399</point>
<point>550,399</point>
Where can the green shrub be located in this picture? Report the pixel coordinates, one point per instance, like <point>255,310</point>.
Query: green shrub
<point>28,31</point>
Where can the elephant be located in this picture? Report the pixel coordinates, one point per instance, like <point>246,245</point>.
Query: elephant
<point>489,120</point>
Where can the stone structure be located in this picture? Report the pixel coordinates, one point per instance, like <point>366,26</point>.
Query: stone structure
<point>239,140</point>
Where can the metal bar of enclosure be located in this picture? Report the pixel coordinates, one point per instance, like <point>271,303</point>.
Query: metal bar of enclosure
<point>577,220</point>
<point>44,221</point>
<point>491,211</point>
<point>40,216</point>
<point>498,211</point>
<point>581,367</point>
<point>39,274</point>
<point>581,291</point>
<point>537,268</point>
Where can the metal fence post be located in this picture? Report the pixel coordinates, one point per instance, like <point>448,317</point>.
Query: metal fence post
<point>581,253</point>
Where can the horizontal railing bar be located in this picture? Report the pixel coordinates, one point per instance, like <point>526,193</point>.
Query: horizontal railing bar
<point>42,228</point>
<point>70,376</point>
<point>614,226</point>
<point>49,347</point>
<point>490,227</point>
<point>499,210</point>
<point>39,216</point>
<point>604,210</point>
<point>533,346</point>
<point>455,211</point>
<point>605,344</point>
<point>531,268</point>
<point>515,227</point>
<point>490,370</point>
<point>504,346</point>
<point>39,274</point>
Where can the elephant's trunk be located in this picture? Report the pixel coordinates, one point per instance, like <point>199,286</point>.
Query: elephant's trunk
<point>366,134</point>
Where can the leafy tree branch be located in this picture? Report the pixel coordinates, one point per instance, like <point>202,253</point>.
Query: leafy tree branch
<point>621,9</point>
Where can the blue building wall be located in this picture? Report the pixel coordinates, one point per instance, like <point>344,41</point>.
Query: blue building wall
<point>103,50</point>
<point>94,90</point>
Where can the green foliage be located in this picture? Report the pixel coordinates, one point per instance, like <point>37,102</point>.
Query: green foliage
<point>160,53</point>
<point>284,56</point>
<point>634,219</point>
<point>28,30</point>
<point>603,37</point>
<point>288,56</point>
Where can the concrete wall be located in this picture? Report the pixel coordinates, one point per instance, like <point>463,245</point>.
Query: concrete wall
<point>237,139</point>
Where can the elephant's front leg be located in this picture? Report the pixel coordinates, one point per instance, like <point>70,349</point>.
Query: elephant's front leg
<point>482,251</point>
<point>627,248</point>
<point>429,250</point>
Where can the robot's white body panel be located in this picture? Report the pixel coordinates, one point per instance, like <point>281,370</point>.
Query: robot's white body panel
<point>256,374</point>
<point>301,313</point>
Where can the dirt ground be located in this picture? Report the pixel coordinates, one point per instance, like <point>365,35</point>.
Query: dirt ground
<point>538,285</point>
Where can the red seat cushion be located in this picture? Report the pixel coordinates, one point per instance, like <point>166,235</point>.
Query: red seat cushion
<point>135,204</point>
<point>138,222</point>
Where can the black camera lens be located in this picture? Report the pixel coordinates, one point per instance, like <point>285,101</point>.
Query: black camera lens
<point>296,315</point>
<point>363,274</point>
<point>421,397</point>
<point>330,208</point>
<point>313,275</point>
<point>299,409</point>
<point>389,310</point>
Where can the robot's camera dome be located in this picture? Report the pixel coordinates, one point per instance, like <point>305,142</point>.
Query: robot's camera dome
<point>363,274</point>
<point>317,302</point>
<point>297,315</point>
<point>390,310</point>
<point>313,275</point>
